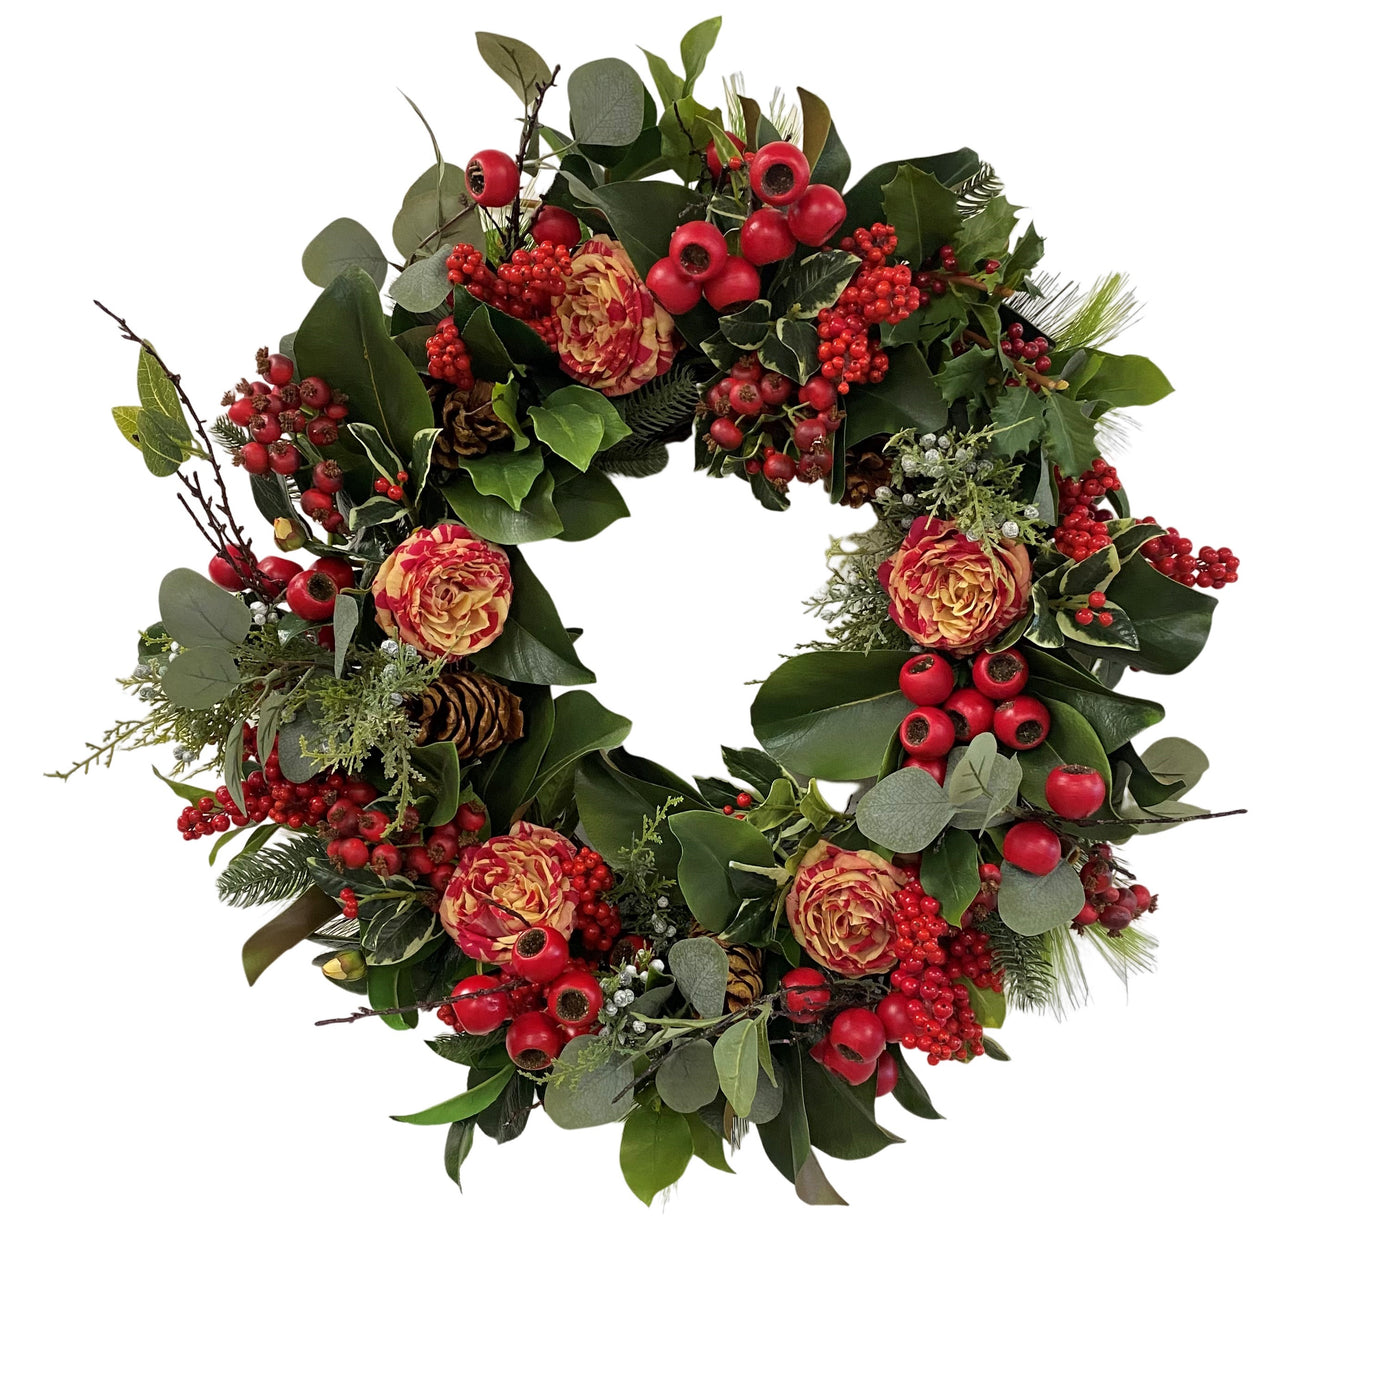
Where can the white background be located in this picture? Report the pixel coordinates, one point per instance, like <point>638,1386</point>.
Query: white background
<point>1173,1192</point>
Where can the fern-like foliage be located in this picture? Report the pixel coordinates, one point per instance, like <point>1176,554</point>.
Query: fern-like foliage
<point>662,410</point>
<point>1027,975</point>
<point>271,875</point>
<point>629,458</point>
<point>229,436</point>
<point>978,189</point>
<point>1069,315</point>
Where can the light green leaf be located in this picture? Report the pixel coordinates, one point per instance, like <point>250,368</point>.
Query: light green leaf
<point>125,419</point>
<point>157,394</point>
<point>905,811</point>
<point>466,1105</point>
<point>344,621</point>
<point>342,245</point>
<point>515,61</point>
<point>508,475</point>
<point>164,441</point>
<point>423,285</point>
<point>655,1150</point>
<point>1176,761</point>
<point>736,1064</point>
<point>696,44</point>
<point>701,969</point>
<point>197,612</point>
<point>607,103</point>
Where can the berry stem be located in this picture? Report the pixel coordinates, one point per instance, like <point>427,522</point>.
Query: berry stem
<point>1045,381</point>
<point>528,129</point>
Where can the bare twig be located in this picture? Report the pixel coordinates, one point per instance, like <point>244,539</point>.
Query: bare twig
<point>527,134</point>
<point>367,1011</point>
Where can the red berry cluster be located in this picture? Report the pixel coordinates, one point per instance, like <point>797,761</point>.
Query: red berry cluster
<point>743,801</point>
<point>1094,613</point>
<point>211,815</point>
<point>756,410</point>
<point>1111,905</point>
<point>596,920</point>
<point>527,287</point>
<point>392,489</point>
<point>1033,353</point>
<point>881,293</point>
<point>275,409</point>
<point>360,837</point>
<point>929,1008</point>
<point>1083,524</point>
<point>447,355</point>
<point>1170,554</point>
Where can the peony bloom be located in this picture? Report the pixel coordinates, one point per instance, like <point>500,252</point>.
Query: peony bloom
<point>444,591</point>
<point>613,336</point>
<point>949,592</point>
<point>842,909</point>
<point>506,885</point>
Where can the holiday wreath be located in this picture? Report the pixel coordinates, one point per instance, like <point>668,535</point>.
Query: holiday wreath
<point>391,756</point>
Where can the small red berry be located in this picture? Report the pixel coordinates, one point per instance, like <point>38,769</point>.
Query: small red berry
<point>936,768</point>
<point>712,159</point>
<point>354,854</point>
<point>727,433</point>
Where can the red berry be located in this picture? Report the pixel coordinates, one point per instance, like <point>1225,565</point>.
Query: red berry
<point>806,994</point>
<point>575,999</point>
<point>486,1011</point>
<point>554,225</point>
<point>778,466</point>
<point>727,433</point>
<point>927,733</point>
<point>386,860</point>
<point>857,1034</point>
<point>779,173</point>
<point>226,574</point>
<point>1032,847</point>
<point>936,768</point>
<point>339,571</point>
<point>672,288</point>
<point>775,389</point>
<point>766,238</point>
<point>712,159</point>
<point>279,569</point>
<point>279,371</point>
<point>533,1040</point>
<point>971,713</point>
<point>311,595</point>
<point>817,215</point>
<point>886,1074</point>
<point>240,412</point>
<point>539,954</point>
<point>1074,792</point>
<point>354,854</point>
<point>493,178</point>
<point>736,282</point>
<point>698,250</point>
<point>1000,675</point>
<point>372,824</point>
<point>1021,723</point>
<point>894,1014</point>
<point>926,679</point>
<point>254,458</point>
<point>328,476</point>
<point>819,393</point>
<point>315,392</point>
<point>746,399</point>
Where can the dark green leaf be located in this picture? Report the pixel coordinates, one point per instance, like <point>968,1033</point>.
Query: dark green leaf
<point>509,475</point>
<point>459,1143</point>
<point>707,1144</point>
<point>949,873</point>
<point>581,725</point>
<point>1016,419</point>
<point>493,519</point>
<point>814,283</point>
<point>1069,435</point>
<point>709,842</point>
<point>533,646</point>
<point>1127,381</point>
<point>1116,718</point>
<point>924,210</point>
<point>296,922</point>
<point>588,502</point>
<point>443,769</point>
<point>841,1116</point>
<point>909,1092</point>
<point>1172,621</point>
<point>906,398</point>
<point>466,1105</point>
<point>510,771</point>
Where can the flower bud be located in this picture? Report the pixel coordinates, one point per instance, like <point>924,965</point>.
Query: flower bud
<point>348,966</point>
<point>287,535</point>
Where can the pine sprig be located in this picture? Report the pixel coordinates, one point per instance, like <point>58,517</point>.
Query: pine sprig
<point>272,875</point>
<point>1070,316</point>
<point>1027,976</point>
<point>660,411</point>
<point>634,458</point>
<point>228,434</point>
<point>979,189</point>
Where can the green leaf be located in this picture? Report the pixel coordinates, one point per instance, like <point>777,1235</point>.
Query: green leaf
<point>643,214</point>
<point>830,714</point>
<point>459,1143</point>
<point>157,394</point>
<point>340,247</point>
<point>1171,620</point>
<point>1034,904</point>
<point>906,398</point>
<point>344,620</point>
<point>968,375</point>
<point>686,1078</point>
<point>346,341</point>
<point>199,677</point>
<point>993,1049</point>
<point>435,214</point>
<point>655,1151</point>
<point>509,772</point>
<point>701,969</point>
<point>905,811</point>
<point>949,873</point>
<point>791,349</point>
<point>125,419</point>
<point>989,1007</point>
<point>533,647</point>
<point>509,475</point>
<point>707,1144</point>
<point>308,912</point>
<point>515,61</point>
<point>578,398</point>
<point>617,793</point>
<point>909,1092</point>
<point>669,87</point>
<point>736,1064</point>
<point>1176,761</point>
<point>392,933</point>
<point>1072,739</point>
<point>581,726</point>
<point>1016,420</point>
<point>575,434</point>
<point>986,232</point>
<point>442,767</point>
<point>924,210</point>
<point>494,520</point>
<point>466,1105</point>
<point>696,44</point>
<point>197,612</point>
<point>385,994</point>
<point>423,285</point>
<point>607,103</point>
<point>1127,381</point>
<point>747,328</point>
<point>186,790</point>
<point>588,503</point>
<point>299,767</point>
<point>786,1139</point>
<point>841,1116</point>
<point>1069,435</point>
<point>1116,718</point>
<point>813,284</point>
<point>233,773</point>
<point>164,441</point>
<point>709,842</point>
<point>589,1097</point>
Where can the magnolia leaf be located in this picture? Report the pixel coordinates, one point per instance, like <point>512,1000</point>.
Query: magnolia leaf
<point>466,1105</point>
<point>297,921</point>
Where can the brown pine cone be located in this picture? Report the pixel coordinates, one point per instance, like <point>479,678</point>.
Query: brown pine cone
<point>745,977</point>
<point>866,473</point>
<point>473,711</point>
<point>469,424</point>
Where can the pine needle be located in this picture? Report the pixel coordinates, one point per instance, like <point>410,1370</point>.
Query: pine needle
<point>1070,316</point>
<point>271,875</point>
<point>978,189</point>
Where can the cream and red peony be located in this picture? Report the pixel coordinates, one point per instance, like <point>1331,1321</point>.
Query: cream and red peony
<point>949,592</point>
<point>444,591</point>
<point>506,885</point>
<point>842,909</point>
<point>613,336</point>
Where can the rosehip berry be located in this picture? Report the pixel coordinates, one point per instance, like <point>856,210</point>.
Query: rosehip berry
<point>372,824</point>
<point>712,157</point>
<point>328,476</point>
<point>748,368</point>
<point>442,845</point>
<point>808,433</point>
<point>469,819</point>
<point>1032,847</point>
<point>493,178</point>
<point>265,428</point>
<point>575,999</point>
<point>279,569</point>
<point>555,225</point>
<point>727,433</point>
<point>311,595</point>
<point>315,392</point>
<point>817,215</point>
<point>253,457</point>
<point>894,1014</point>
<point>486,1011</point>
<point>926,733</point>
<point>386,860</point>
<point>775,389</point>
<point>698,250</point>
<point>223,571</point>
<point>240,412</point>
<point>533,1040</point>
<point>672,288</point>
<point>746,399</point>
<point>322,430</point>
<point>779,173</point>
<point>926,679</point>
<point>339,571</point>
<point>1074,792</point>
<point>735,283</point>
<point>1021,723</point>
<point>343,816</point>
<point>806,994</point>
<point>1000,675</point>
<point>766,238</point>
<point>819,393</point>
<point>858,1034</point>
<point>936,768</point>
<point>279,371</point>
<point>778,466</point>
<point>539,954</point>
<point>1146,900</point>
<point>886,1074</point>
<point>971,713</point>
<point>354,854</point>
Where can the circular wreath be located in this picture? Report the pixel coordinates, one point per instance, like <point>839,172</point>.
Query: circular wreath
<point>378,701</point>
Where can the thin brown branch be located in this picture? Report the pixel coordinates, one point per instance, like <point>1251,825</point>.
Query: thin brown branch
<point>368,1011</point>
<point>528,128</point>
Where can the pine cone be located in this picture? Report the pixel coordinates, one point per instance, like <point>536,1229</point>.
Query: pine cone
<point>469,423</point>
<point>475,712</point>
<point>866,473</point>
<point>745,977</point>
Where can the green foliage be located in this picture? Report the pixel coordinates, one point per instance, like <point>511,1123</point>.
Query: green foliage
<point>277,872</point>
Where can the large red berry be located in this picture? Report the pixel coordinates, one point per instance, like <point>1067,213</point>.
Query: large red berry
<point>493,178</point>
<point>227,575</point>
<point>1000,675</point>
<point>575,999</point>
<point>779,173</point>
<point>735,283</point>
<point>484,1012</point>
<point>672,288</point>
<point>539,954</point>
<point>555,225</point>
<point>340,571</point>
<point>1021,723</point>
<point>926,733</point>
<point>926,679</point>
<point>279,569</point>
<point>971,713</point>
<point>766,238</point>
<point>886,1074</point>
<point>533,1040</point>
<point>1032,847</point>
<point>895,1015</point>
<point>354,854</point>
<point>1074,792</point>
<point>311,595</point>
<point>806,994</point>
<point>858,1034</point>
<point>817,215</point>
<point>698,250</point>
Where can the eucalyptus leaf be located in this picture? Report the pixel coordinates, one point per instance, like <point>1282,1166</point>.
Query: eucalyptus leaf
<point>905,811</point>
<point>198,678</point>
<point>198,613</point>
<point>607,103</point>
<point>342,245</point>
<point>587,1097</point>
<point>701,969</point>
<point>686,1078</point>
<point>1034,904</point>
